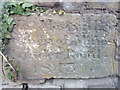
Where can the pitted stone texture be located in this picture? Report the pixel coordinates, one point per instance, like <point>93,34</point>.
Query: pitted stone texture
<point>57,84</point>
<point>84,6</point>
<point>70,46</point>
<point>107,5</point>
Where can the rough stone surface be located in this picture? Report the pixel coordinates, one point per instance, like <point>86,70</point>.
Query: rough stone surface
<point>58,84</point>
<point>70,46</point>
<point>97,83</point>
<point>107,5</point>
<point>74,0</point>
<point>72,6</point>
<point>80,6</point>
<point>69,83</point>
<point>46,4</point>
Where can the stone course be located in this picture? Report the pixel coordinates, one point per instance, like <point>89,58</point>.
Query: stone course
<point>58,84</point>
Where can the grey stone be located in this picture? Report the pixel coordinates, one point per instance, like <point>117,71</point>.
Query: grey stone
<point>74,1</point>
<point>94,83</point>
<point>69,46</point>
<point>105,1</point>
<point>33,87</point>
<point>74,84</point>
<point>107,5</point>
<point>73,6</point>
<point>108,82</point>
<point>46,4</point>
<point>80,6</point>
<point>57,84</point>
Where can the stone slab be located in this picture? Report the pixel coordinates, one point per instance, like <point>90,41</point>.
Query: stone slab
<point>107,5</point>
<point>69,46</point>
<point>57,84</point>
<point>80,6</point>
<point>74,0</point>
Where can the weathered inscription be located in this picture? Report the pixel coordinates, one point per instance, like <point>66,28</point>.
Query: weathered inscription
<point>70,46</point>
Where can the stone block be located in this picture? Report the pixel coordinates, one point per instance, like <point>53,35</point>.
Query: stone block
<point>69,46</point>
